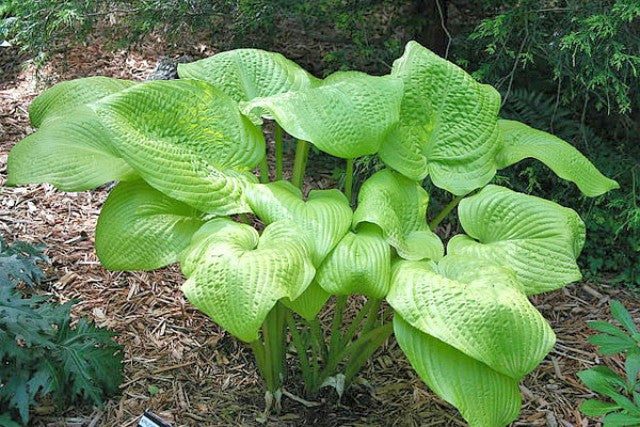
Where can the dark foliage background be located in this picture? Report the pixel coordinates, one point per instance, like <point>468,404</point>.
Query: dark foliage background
<point>566,66</point>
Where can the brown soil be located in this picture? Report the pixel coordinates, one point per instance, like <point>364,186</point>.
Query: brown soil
<point>204,376</point>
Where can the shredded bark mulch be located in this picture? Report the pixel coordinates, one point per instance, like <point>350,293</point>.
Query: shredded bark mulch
<point>180,365</point>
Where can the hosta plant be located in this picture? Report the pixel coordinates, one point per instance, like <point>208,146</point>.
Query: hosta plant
<point>264,257</point>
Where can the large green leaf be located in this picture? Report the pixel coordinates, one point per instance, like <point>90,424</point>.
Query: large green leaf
<point>347,116</point>
<point>538,239</point>
<point>448,124</point>
<point>398,206</point>
<point>186,139</point>
<point>62,98</point>
<point>519,141</point>
<point>244,74</point>
<point>476,307</point>
<point>324,218</point>
<point>360,263</point>
<point>236,277</point>
<point>140,228</point>
<point>484,397</point>
<point>310,302</point>
<point>73,153</point>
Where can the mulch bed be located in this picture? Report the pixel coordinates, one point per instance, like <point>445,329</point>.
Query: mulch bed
<point>205,377</point>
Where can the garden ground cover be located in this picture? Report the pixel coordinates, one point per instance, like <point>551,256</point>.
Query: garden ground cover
<point>183,367</point>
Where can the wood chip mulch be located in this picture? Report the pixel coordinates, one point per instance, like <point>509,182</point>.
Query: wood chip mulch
<point>190,372</point>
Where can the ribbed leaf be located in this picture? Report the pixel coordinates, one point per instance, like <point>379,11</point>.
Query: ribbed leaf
<point>63,97</point>
<point>474,306</point>
<point>484,397</point>
<point>448,124</point>
<point>236,278</point>
<point>244,74</point>
<point>519,141</point>
<point>538,239</point>
<point>310,302</point>
<point>398,206</point>
<point>347,116</point>
<point>73,153</point>
<point>360,264</point>
<point>325,217</point>
<point>140,228</point>
<point>186,139</point>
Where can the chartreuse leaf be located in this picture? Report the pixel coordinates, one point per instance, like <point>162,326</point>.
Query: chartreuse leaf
<point>347,115</point>
<point>519,141</point>
<point>236,277</point>
<point>140,228</point>
<point>324,218</point>
<point>63,97</point>
<point>483,396</point>
<point>538,239</point>
<point>360,263</point>
<point>244,74</point>
<point>476,307</point>
<point>448,124</point>
<point>398,206</point>
<point>73,153</point>
<point>188,140</point>
<point>310,302</point>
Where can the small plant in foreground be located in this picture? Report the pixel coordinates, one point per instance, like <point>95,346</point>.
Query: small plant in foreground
<point>623,407</point>
<point>184,152</point>
<point>42,356</point>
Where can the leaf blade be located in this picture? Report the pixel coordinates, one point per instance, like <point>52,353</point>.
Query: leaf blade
<point>519,141</point>
<point>236,277</point>
<point>139,228</point>
<point>347,116</point>
<point>186,139</point>
<point>468,303</point>
<point>360,263</point>
<point>63,97</point>
<point>73,153</point>
<point>324,217</point>
<point>448,124</point>
<point>244,74</point>
<point>398,206</point>
<point>483,396</point>
<point>538,239</point>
